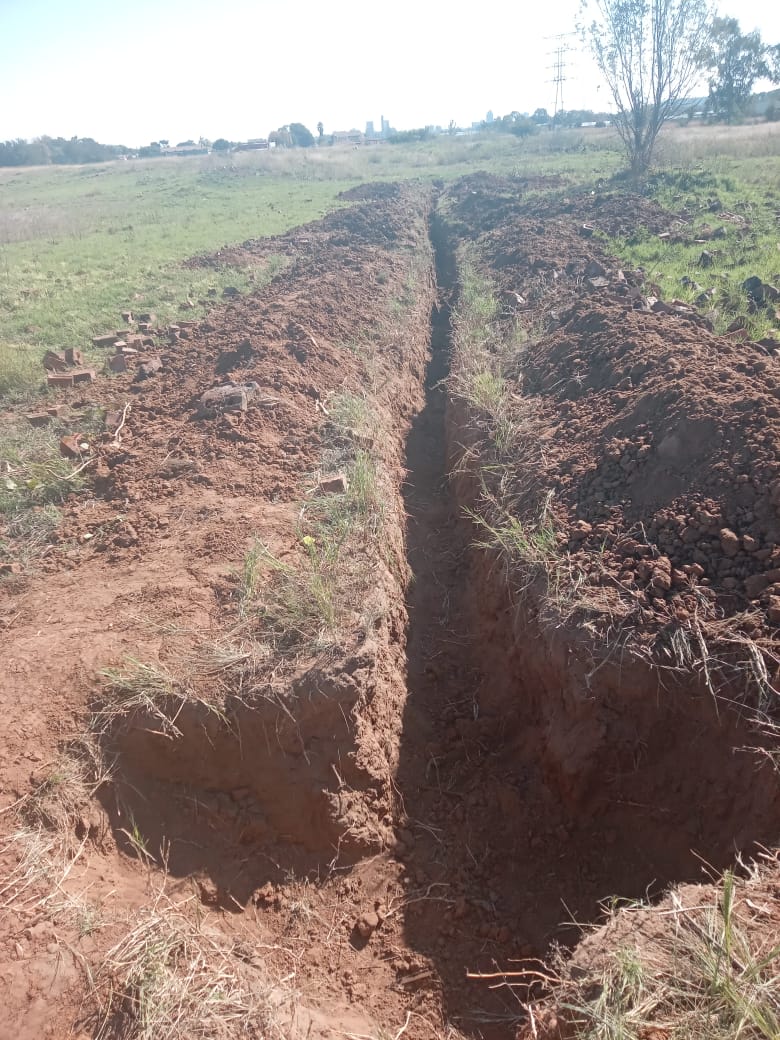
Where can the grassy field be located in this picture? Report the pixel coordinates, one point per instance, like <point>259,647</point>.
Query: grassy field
<point>729,233</point>
<point>80,244</point>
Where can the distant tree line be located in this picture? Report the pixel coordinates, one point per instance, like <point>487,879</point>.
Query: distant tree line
<point>43,151</point>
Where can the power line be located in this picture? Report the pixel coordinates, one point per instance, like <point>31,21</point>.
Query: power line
<point>558,67</point>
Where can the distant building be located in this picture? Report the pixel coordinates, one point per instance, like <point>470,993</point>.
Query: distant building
<point>386,128</point>
<point>347,137</point>
<point>489,117</point>
<point>370,132</point>
<point>253,145</point>
<point>187,149</point>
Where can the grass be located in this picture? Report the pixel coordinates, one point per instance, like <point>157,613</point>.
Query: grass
<point>295,605</point>
<point>515,522</point>
<point>35,472</point>
<point>51,833</point>
<point>162,692</point>
<point>169,979</point>
<point>80,244</point>
<point>309,603</point>
<point>746,242</point>
<point>709,971</point>
<point>35,482</point>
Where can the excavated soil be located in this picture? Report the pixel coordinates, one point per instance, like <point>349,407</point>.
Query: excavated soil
<point>458,785</point>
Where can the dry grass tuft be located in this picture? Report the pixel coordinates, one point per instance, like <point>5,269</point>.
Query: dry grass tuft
<point>54,825</point>
<point>168,979</point>
<point>161,694</point>
<point>709,970</point>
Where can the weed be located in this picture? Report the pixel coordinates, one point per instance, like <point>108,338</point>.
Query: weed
<point>89,919</point>
<point>137,840</point>
<point>250,575</point>
<point>514,522</point>
<point>307,604</point>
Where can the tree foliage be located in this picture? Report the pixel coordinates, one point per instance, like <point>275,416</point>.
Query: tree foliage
<point>44,151</point>
<point>302,137</point>
<point>735,62</point>
<point>513,123</point>
<point>649,53</point>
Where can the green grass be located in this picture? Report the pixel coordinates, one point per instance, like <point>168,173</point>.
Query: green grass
<point>745,247</point>
<point>37,474</point>
<point>79,245</point>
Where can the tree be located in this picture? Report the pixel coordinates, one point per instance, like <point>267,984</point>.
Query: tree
<point>320,130</point>
<point>649,53</point>
<point>541,115</point>
<point>221,145</point>
<point>735,62</point>
<point>301,137</point>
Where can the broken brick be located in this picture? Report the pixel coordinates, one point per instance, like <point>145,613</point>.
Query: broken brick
<point>59,379</point>
<point>335,485</point>
<point>83,375</point>
<point>105,341</point>
<point>70,446</point>
<point>38,418</point>
<point>148,368</point>
<point>54,362</point>
<point>74,356</point>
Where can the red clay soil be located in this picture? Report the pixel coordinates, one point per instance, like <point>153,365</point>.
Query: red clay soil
<point>146,566</point>
<point>457,787</point>
<point>659,437</point>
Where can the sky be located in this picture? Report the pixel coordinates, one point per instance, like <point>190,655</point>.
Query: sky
<point>134,71</point>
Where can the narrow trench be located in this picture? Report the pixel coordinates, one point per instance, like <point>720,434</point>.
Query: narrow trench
<point>507,861</point>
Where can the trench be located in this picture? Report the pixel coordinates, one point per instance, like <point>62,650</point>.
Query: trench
<point>526,791</point>
<point>531,798</point>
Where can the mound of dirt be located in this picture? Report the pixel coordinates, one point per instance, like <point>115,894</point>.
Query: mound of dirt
<point>658,435</point>
<point>242,757</point>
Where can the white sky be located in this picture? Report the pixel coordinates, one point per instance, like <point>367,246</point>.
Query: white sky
<point>133,71</point>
